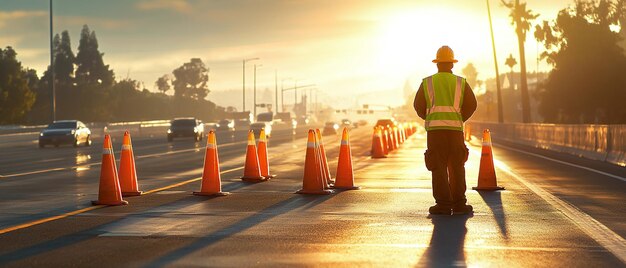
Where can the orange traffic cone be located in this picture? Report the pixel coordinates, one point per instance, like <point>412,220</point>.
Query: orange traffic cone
<point>312,181</point>
<point>211,178</point>
<point>377,145</point>
<point>128,173</point>
<point>323,160</point>
<point>384,135</point>
<point>345,174</point>
<point>263,160</point>
<point>389,139</point>
<point>109,192</point>
<point>395,136</point>
<point>402,134</point>
<point>252,170</point>
<point>487,174</point>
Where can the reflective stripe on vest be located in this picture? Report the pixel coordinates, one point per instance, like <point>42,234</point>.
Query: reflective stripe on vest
<point>443,110</point>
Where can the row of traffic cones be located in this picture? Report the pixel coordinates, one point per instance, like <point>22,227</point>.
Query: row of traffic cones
<point>387,139</point>
<point>317,178</point>
<point>114,186</point>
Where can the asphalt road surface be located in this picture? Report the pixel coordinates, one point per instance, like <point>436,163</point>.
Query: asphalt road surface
<point>557,210</point>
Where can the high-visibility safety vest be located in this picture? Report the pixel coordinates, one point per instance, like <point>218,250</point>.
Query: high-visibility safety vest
<point>444,97</point>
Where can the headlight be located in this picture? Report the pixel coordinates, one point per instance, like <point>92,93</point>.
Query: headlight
<point>195,130</point>
<point>169,131</point>
<point>41,134</point>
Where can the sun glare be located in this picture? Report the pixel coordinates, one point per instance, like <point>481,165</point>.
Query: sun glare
<point>408,41</point>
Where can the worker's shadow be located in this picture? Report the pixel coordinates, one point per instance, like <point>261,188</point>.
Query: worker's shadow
<point>446,248</point>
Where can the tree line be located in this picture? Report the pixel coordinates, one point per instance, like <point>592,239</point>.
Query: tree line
<point>86,88</point>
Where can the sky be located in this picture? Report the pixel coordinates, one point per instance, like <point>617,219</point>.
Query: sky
<point>353,51</point>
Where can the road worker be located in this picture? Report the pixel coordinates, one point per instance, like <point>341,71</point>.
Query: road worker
<point>445,101</point>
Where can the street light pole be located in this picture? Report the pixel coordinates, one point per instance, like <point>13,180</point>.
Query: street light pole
<point>244,82</point>
<point>493,45</point>
<point>53,90</point>
<point>255,89</point>
<point>276,91</point>
<point>282,93</point>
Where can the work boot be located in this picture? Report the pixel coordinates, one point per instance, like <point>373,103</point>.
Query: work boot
<point>462,209</point>
<point>439,210</point>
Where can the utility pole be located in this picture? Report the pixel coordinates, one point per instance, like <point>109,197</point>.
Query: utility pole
<point>52,78</point>
<point>282,93</point>
<point>244,81</point>
<point>276,90</point>
<point>255,90</point>
<point>493,45</point>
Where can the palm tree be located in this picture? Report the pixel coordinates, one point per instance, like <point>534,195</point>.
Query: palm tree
<point>511,62</point>
<point>521,18</point>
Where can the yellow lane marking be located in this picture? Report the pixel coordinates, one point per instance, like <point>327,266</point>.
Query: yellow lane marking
<point>82,210</point>
<point>72,213</point>
<point>186,182</point>
<point>49,219</point>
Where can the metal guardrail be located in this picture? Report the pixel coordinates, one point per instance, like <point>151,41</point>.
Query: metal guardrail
<point>599,142</point>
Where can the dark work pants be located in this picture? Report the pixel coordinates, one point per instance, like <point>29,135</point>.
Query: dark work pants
<point>445,158</point>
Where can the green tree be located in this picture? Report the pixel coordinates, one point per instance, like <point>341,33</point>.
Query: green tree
<point>90,66</point>
<point>163,84</point>
<point>587,82</point>
<point>521,18</point>
<point>191,79</point>
<point>16,98</point>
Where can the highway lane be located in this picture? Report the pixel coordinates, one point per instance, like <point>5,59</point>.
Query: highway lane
<point>66,178</point>
<point>384,224</point>
<point>580,182</point>
<point>19,155</point>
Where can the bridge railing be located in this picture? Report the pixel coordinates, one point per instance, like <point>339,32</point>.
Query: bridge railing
<point>599,142</point>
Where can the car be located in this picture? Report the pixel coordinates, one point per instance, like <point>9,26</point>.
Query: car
<point>330,128</point>
<point>386,122</point>
<point>185,127</point>
<point>256,129</point>
<point>65,132</point>
<point>242,123</point>
<point>303,120</point>
<point>226,124</point>
<point>346,123</point>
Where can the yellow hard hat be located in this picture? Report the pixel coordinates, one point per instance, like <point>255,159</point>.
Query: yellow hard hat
<point>445,54</point>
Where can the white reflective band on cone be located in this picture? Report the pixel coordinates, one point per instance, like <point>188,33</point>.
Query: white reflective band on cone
<point>107,151</point>
<point>310,144</point>
<point>486,143</point>
<point>251,142</point>
<point>211,146</point>
<point>344,142</point>
<point>126,147</point>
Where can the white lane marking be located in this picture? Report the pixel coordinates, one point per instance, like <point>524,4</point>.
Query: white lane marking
<point>596,230</point>
<point>565,163</point>
<point>19,134</point>
<point>99,163</point>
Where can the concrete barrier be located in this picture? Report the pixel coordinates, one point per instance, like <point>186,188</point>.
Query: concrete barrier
<point>599,142</point>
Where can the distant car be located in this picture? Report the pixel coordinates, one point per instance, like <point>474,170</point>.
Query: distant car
<point>226,124</point>
<point>65,132</point>
<point>185,127</point>
<point>385,122</point>
<point>242,123</point>
<point>303,120</point>
<point>346,123</point>
<point>330,128</point>
<point>256,129</point>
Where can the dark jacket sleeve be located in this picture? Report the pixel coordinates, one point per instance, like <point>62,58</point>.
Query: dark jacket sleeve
<point>419,104</point>
<point>469,103</point>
